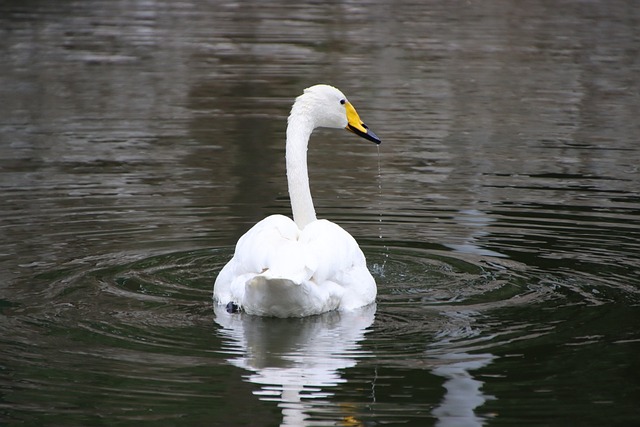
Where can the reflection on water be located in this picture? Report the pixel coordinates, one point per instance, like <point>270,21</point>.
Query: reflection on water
<point>296,361</point>
<point>140,139</point>
<point>464,393</point>
<point>478,223</point>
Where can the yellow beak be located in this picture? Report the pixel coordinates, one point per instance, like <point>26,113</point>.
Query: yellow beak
<point>357,126</point>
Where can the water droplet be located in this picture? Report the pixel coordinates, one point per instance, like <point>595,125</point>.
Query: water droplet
<point>386,249</point>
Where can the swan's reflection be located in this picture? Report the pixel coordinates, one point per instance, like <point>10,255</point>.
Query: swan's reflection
<point>295,360</point>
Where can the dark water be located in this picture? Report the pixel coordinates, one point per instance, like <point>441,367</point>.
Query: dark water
<point>500,217</point>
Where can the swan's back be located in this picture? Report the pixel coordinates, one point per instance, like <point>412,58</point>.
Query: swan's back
<point>280,271</point>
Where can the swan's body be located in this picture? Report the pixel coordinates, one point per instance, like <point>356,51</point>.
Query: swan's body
<point>307,266</point>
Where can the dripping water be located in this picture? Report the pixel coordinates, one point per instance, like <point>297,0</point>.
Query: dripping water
<point>379,269</point>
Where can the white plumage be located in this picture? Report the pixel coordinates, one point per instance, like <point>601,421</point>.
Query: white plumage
<point>296,268</point>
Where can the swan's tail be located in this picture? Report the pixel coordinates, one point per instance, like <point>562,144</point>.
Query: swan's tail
<point>280,297</point>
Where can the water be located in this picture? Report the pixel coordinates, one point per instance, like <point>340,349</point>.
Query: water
<point>139,140</point>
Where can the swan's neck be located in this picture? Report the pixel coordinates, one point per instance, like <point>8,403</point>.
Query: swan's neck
<point>298,132</point>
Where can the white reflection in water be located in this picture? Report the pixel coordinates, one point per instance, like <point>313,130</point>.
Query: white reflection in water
<point>295,360</point>
<point>464,393</point>
<point>476,223</point>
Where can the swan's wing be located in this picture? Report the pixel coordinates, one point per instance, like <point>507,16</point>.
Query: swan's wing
<point>269,246</point>
<point>336,258</point>
<point>278,270</point>
<point>331,250</point>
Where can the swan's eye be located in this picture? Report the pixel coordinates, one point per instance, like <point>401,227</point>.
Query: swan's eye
<point>343,101</point>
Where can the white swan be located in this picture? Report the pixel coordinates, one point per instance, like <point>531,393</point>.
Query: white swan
<point>307,266</point>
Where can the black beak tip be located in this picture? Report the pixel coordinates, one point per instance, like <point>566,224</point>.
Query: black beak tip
<point>369,135</point>
<point>373,137</point>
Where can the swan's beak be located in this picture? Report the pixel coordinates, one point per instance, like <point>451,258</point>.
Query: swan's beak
<point>357,126</point>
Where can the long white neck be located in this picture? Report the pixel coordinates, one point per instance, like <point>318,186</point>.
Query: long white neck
<point>298,132</point>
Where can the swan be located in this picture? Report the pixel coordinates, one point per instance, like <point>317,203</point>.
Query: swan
<point>305,266</point>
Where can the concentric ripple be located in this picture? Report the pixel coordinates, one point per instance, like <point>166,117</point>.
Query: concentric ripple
<point>146,326</point>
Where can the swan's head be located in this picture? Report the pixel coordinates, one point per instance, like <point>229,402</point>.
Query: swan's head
<point>327,107</point>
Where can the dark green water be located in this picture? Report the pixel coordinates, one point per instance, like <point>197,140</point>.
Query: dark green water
<point>500,216</point>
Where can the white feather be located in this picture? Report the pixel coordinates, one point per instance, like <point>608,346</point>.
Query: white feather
<point>290,269</point>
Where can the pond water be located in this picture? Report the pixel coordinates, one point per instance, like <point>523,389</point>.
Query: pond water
<point>500,216</point>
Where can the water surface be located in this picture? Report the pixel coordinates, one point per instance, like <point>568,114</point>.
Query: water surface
<point>500,216</point>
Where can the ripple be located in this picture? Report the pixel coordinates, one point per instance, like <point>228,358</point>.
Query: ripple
<point>434,278</point>
<point>421,291</point>
<point>148,322</point>
<point>433,303</point>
